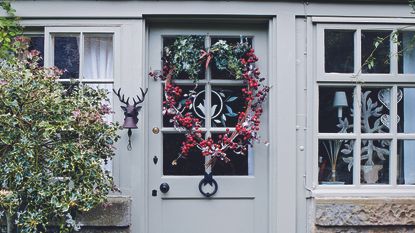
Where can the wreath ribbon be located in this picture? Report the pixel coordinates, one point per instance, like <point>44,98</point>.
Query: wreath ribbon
<point>206,55</point>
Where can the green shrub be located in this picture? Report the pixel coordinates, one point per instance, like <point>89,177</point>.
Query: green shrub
<point>53,142</point>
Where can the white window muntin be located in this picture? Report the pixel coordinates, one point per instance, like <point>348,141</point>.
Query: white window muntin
<point>102,82</point>
<point>81,31</point>
<point>393,76</point>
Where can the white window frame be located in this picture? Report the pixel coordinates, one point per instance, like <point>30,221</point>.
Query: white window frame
<point>358,80</point>
<point>49,31</point>
<point>49,51</point>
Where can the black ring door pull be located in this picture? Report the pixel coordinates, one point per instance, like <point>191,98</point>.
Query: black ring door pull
<point>164,187</point>
<point>208,179</point>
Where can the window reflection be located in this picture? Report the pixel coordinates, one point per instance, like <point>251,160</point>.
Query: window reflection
<point>375,161</point>
<point>339,51</point>
<point>335,111</point>
<point>66,55</point>
<point>37,43</point>
<point>335,161</point>
<point>375,114</point>
<point>227,103</point>
<point>192,164</point>
<point>406,162</point>
<point>406,110</point>
<point>376,51</point>
<point>406,52</point>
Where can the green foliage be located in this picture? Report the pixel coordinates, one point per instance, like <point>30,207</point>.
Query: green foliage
<point>188,56</point>
<point>53,140</point>
<point>9,28</point>
<point>52,144</point>
<point>184,54</point>
<point>227,57</point>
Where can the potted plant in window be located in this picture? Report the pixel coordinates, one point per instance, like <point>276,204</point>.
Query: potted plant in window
<point>333,147</point>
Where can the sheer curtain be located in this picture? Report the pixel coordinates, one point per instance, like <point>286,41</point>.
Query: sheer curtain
<point>409,110</point>
<point>98,64</point>
<point>98,57</point>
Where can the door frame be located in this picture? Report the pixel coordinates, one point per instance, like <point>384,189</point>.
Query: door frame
<point>282,201</point>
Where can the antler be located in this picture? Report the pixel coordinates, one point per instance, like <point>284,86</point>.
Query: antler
<point>122,98</point>
<point>140,100</point>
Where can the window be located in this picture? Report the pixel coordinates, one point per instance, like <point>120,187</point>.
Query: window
<point>85,53</point>
<point>366,97</point>
<point>37,42</point>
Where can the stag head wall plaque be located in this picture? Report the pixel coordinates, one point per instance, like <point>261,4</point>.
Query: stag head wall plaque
<point>131,111</point>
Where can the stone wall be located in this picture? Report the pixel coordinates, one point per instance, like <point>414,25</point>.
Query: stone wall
<point>114,217</point>
<point>366,215</point>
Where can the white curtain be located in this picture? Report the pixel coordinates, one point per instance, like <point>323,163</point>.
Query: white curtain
<point>98,64</point>
<point>409,110</point>
<point>98,57</point>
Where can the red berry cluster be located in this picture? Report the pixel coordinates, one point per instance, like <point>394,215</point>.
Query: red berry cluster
<point>247,127</point>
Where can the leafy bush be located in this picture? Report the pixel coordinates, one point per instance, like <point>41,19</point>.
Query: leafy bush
<point>52,144</point>
<point>53,141</point>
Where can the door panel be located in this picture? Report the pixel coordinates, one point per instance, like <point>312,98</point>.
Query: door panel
<point>205,218</point>
<point>241,202</point>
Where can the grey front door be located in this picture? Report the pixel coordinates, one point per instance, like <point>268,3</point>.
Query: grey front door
<point>241,202</point>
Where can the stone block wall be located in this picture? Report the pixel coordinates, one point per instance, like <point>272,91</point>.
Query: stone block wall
<point>114,217</point>
<point>364,215</point>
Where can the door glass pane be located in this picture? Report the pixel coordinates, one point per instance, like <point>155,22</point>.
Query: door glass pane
<point>406,63</point>
<point>376,51</point>
<point>174,164</point>
<point>240,162</point>
<point>227,103</point>
<point>195,96</point>
<point>375,161</point>
<point>66,55</point>
<point>339,51</point>
<point>406,162</point>
<point>335,109</point>
<point>335,161</point>
<point>406,110</point>
<point>192,55</point>
<point>376,107</point>
<point>98,56</point>
<point>218,69</point>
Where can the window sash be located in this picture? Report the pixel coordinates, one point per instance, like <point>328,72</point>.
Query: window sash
<point>357,76</point>
<point>50,32</point>
<point>362,80</point>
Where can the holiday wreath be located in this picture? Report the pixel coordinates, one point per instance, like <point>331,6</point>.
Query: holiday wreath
<point>184,58</point>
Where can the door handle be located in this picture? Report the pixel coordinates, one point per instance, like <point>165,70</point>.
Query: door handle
<point>164,187</point>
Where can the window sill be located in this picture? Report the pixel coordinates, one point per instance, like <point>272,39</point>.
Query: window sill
<point>372,191</point>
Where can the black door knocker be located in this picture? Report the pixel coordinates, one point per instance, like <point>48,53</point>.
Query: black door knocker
<point>208,179</point>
